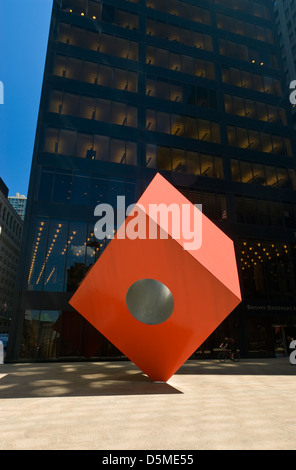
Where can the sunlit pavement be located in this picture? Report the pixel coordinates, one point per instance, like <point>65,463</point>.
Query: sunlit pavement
<point>113,405</point>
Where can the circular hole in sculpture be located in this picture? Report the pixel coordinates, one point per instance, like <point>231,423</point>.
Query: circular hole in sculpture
<point>150,301</point>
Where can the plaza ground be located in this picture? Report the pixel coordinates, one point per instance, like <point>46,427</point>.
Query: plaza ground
<point>113,405</point>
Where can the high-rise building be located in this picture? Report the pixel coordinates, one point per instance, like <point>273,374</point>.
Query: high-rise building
<point>11,226</point>
<point>191,89</point>
<point>19,203</point>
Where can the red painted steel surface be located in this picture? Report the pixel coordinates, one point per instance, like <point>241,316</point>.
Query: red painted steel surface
<point>204,284</point>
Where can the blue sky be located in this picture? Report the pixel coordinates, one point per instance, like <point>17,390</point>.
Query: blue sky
<point>24,26</point>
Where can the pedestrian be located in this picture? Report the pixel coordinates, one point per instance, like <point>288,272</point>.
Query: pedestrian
<point>230,344</point>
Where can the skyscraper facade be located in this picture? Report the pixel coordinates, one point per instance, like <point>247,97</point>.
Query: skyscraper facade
<point>193,90</point>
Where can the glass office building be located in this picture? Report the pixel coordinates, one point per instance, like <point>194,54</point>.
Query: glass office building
<point>191,89</point>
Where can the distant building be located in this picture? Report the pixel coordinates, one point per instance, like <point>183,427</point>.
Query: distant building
<point>19,203</point>
<point>285,14</point>
<point>11,227</point>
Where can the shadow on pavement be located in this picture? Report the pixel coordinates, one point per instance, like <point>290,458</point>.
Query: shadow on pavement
<point>117,378</point>
<point>265,366</point>
<point>77,379</point>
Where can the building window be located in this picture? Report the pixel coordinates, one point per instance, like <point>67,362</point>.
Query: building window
<point>254,110</point>
<point>183,161</point>
<point>244,28</point>
<point>264,175</point>
<point>179,125</point>
<point>181,92</point>
<point>89,146</point>
<point>179,63</point>
<point>181,9</point>
<point>213,205</point>
<point>91,108</point>
<point>251,211</point>
<point>176,33</point>
<point>260,141</point>
<point>257,57</point>
<point>250,8</point>
<point>102,42</point>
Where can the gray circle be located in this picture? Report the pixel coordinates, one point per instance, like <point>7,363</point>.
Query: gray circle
<point>150,301</point>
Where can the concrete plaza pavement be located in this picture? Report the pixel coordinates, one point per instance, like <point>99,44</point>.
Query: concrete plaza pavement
<point>249,405</point>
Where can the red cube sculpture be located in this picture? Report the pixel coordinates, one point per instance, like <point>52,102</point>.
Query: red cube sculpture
<point>154,299</point>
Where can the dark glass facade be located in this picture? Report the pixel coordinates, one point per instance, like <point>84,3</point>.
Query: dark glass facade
<point>193,90</point>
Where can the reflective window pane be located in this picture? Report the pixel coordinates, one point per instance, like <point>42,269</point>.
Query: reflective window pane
<point>76,250</point>
<point>55,256</point>
<point>80,189</point>
<point>38,255</point>
<point>62,189</point>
